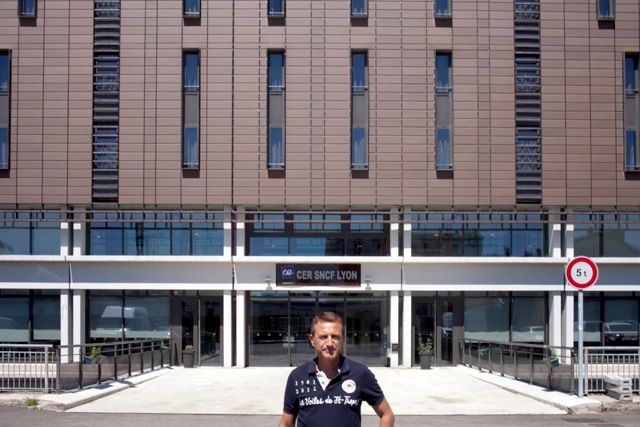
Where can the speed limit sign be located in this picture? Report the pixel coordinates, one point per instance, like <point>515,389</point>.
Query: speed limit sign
<point>581,272</point>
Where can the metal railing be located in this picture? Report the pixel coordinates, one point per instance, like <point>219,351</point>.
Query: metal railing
<point>47,368</point>
<point>552,367</point>
<point>601,361</point>
<point>28,367</point>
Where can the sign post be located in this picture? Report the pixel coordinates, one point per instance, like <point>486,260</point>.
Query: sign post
<point>581,273</point>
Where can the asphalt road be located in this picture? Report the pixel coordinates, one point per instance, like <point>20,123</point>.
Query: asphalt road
<point>19,416</point>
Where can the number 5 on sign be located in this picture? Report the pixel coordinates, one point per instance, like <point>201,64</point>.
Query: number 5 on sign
<point>581,272</point>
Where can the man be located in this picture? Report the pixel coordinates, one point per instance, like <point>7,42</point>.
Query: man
<point>329,390</point>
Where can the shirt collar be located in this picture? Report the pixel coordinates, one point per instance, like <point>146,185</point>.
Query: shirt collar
<point>344,366</point>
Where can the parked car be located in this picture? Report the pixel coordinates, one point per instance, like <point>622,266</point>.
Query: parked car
<point>621,333</point>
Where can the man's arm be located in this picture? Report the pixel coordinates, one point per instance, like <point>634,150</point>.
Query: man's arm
<point>287,420</point>
<point>383,409</point>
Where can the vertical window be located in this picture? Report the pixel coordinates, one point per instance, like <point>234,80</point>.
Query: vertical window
<point>359,8</point>
<point>5,84</point>
<point>191,110</point>
<point>359,110</point>
<point>191,8</point>
<point>606,9</point>
<point>442,9</point>
<point>275,8</point>
<point>444,113</point>
<point>27,8</point>
<point>631,98</point>
<point>275,109</point>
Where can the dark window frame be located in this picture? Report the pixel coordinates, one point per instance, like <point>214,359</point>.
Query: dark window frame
<point>359,147</point>
<point>24,5</point>
<point>191,13</point>
<point>5,112</point>
<point>190,149</point>
<point>276,103</point>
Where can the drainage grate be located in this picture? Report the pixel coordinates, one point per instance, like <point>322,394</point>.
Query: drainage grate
<point>584,420</point>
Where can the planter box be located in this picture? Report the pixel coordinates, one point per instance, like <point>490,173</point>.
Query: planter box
<point>187,358</point>
<point>425,361</point>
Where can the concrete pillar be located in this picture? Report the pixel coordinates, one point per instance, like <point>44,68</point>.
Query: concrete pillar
<point>407,327</point>
<point>241,330</point>
<point>555,318</point>
<point>407,233</point>
<point>79,328</point>
<point>240,217</point>
<point>79,233</point>
<point>394,232</point>
<point>394,332</point>
<point>227,333</point>
<point>66,326</point>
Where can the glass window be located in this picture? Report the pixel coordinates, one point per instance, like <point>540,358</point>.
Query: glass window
<point>156,234</point>
<point>27,8</point>
<point>14,320</point>
<point>4,109</point>
<point>443,149</point>
<point>606,9</point>
<point>442,8</point>
<point>276,70</point>
<point>486,319</point>
<point>592,326</point>
<point>621,322</point>
<point>191,110</point>
<point>358,8</point>
<point>147,317</point>
<point>317,235</point>
<point>105,318</point>
<point>276,110</point>
<point>4,71</point>
<point>191,8</point>
<point>359,71</point>
<point>528,320</point>
<point>46,319</point>
<point>359,110</point>
<point>276,8</point>
<point>443,70</point>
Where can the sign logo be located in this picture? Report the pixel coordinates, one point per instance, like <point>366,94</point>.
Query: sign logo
<point>318,274</point>
<point>349,386</point>
<point>286,276</point>
<point>581,272</point>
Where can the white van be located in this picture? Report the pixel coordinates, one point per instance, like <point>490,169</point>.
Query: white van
<point>136,322</point>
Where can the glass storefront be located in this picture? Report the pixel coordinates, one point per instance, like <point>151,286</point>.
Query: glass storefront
<point>280,325</point>
<point>30,316</point>
<point>608,320</point>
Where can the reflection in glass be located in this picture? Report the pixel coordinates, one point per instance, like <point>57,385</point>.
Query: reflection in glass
<point>486,319</point>
<point>14,320</point>
<point>46,319</point>
<point>528,320</point>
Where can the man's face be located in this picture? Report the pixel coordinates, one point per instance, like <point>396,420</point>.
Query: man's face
<point>327,340</point>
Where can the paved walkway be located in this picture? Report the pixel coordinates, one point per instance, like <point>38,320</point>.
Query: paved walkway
<point>233,391</point>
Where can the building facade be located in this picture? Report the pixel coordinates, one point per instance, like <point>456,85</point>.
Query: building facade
<point>220,171</point>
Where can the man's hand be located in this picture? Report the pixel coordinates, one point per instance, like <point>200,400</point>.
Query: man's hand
<point>383,409</point>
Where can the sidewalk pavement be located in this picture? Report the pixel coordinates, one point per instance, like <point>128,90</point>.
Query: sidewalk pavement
<point>458,390</point>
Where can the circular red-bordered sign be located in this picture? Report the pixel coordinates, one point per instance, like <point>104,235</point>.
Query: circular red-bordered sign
<point>581,272</point>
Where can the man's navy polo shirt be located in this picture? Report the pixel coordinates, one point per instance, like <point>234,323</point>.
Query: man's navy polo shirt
<point>338,405</point>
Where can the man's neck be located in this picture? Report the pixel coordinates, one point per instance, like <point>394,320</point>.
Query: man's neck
<point>330,368</point>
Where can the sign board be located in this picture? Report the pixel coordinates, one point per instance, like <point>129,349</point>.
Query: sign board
<point>318,274</point>
<point>581,272</point>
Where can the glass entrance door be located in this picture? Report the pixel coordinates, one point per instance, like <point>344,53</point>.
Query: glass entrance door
<point>445,330</point>
<point>210,332</point>
<point>280,326</point>
<point>367,321</point>
<point>269,329</point>
<point>423,315</point>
